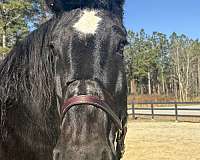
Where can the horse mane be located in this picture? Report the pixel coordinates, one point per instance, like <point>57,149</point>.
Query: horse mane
<point>26,74</point>
<point>114,6</point>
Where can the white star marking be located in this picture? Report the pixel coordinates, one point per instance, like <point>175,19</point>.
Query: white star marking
<point>88,22</point>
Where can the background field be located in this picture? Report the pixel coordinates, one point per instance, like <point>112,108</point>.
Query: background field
<point>153,140</point>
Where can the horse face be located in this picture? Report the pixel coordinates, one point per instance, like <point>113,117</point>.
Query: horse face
<point>89,50</point>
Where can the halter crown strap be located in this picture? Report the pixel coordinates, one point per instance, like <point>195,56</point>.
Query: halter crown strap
<point>91,100</point>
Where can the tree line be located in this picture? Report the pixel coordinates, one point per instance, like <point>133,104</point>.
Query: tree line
<point>163,65</point>
<point>155,64</point>
<point>17,17</point>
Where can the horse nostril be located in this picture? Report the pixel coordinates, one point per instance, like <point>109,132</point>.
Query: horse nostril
<point>56,154</point>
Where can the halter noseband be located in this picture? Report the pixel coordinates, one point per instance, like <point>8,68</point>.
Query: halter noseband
<point>91,100</point>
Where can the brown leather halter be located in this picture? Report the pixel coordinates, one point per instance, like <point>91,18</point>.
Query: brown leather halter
<point>103,105</point>
<point>91,100</point>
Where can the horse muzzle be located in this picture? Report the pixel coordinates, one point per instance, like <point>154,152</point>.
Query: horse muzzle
<point>82,94</point>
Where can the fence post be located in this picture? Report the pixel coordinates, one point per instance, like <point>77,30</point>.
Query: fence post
<point>133,110</point>
<point>176,112</point>
<point>152,111</point>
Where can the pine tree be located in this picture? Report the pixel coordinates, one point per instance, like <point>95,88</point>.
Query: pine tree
<point>13,25</point>
<point>17,19</point>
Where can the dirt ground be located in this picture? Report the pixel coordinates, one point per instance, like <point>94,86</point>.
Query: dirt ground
<point>162,141</point>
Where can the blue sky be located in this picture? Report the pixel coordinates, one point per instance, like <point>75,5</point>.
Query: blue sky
<point>166,16</point>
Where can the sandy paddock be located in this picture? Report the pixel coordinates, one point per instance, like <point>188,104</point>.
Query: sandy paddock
<point>162,141</point>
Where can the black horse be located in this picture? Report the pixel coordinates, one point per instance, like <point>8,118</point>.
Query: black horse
<point>63,90</point>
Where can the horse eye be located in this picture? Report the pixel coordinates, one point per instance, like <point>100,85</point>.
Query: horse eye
<point>120,49</point>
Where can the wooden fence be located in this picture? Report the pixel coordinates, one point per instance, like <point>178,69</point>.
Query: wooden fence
<point>174,107</point>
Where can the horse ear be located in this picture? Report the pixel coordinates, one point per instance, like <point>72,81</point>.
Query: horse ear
<point>117,7</point>
<point>120,2</point>
<point>55,5</point>
<point>67,5</point>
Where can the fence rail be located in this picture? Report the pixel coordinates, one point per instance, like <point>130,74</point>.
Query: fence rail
<point>175,110</point>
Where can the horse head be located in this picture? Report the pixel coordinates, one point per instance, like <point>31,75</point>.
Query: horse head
<point>90,84</point>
